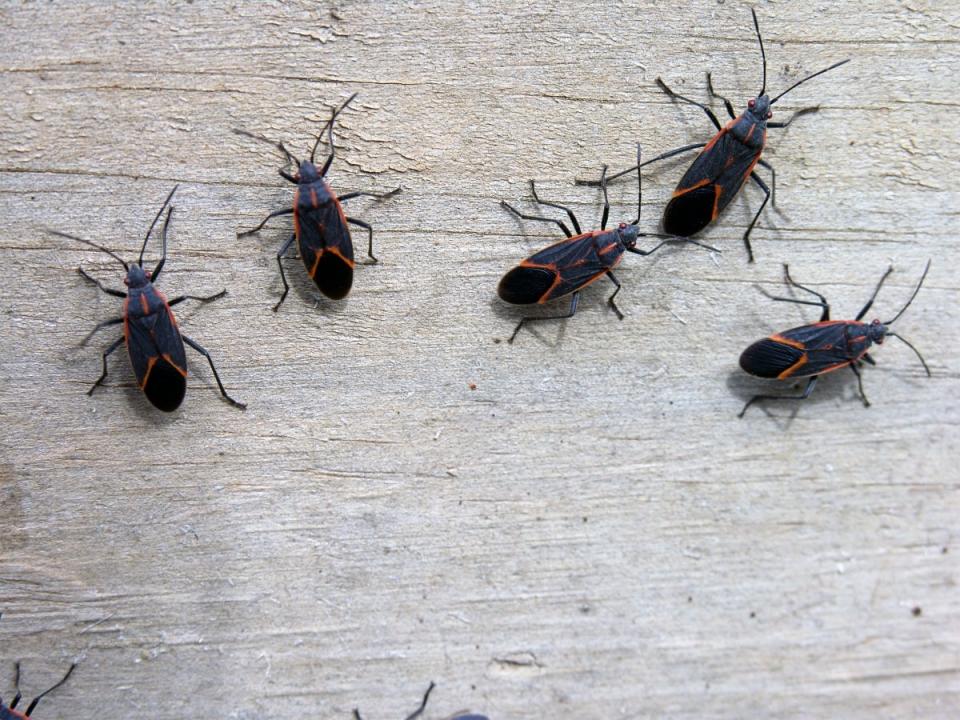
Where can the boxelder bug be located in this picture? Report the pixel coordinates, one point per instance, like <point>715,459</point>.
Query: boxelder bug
<point>570,265</point>
<point>154,342</point>
<point>419,711</point>
<point>812,350</point>
<point>725,163</point>
<point>10,712</point>
<point>319,223</point>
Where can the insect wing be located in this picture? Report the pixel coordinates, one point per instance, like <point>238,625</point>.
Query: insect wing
<point>573,263</point>
<point>806,350</point>
<point>156,352</point>
<point>710,183</point>
<point>326,247</point>
<point>771,357</point>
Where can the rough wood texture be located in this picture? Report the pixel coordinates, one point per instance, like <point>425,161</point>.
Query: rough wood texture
<point>591,532</point>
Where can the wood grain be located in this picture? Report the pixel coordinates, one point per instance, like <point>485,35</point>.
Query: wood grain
<point>591,532</point>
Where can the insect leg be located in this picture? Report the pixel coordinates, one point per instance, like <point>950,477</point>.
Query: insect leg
<point>108,291</point>
<point>279,145</point>
<point>867,358</point>
<point>662,156</point>
<point>568,211</point>
<point>773,180</point>
<point>196,346</point>
<point>798,113</point>
<point>873,297</point>
<point>746,235</point>
<point>793,300</point>
<point>863,396</point>
<point>823,305</point>
<point>423,704</point>
<point>362,193</point>
<point>276,213</point>
<point>570,314</point>
<point>16,684</point>
<point>508,206</point>
<point>823,301</point>
<point>286,286</point>
<point>714,94</point>
<point>669,239</point>
<point>610,301</point>
<point>100,326</point>
<point>361,223</point>
<point>806,393</point>
<point>201,298</point>
<point>103,375</point>
<point>707,110</point>
<point>33,704</point>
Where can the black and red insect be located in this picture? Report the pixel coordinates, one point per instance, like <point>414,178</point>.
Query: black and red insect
<point>10,712</point>
<point>725,162</point>
<point>810,351</point>
<point>570,265</point>
<point>423,705</point>
<point>319,223</point>
<point>154,342</point>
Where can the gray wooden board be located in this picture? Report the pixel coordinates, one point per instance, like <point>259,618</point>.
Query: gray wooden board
<point>590,532</point>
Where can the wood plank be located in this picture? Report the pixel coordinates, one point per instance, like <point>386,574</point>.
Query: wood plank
<point>590,532</point>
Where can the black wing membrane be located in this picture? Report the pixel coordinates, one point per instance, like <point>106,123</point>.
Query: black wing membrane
<point>525,285</point>
<point>768,358</point>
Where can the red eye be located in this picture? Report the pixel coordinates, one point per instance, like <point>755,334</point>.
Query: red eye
<point>769,115</point>
<point>126,282</point>
<point>623,225</point>
<point>751,103</point>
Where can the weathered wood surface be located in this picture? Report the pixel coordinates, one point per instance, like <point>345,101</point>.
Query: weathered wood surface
<point>591,532</point>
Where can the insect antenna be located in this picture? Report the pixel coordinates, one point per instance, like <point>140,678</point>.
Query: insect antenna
<point>922,278</point>
<point>910,345</point>
<point>809,77</point>
<point>639,188</point>
<point>763,54</point>
<point>153,224</point>
<point>329,124</point>
<point>93,245</point>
